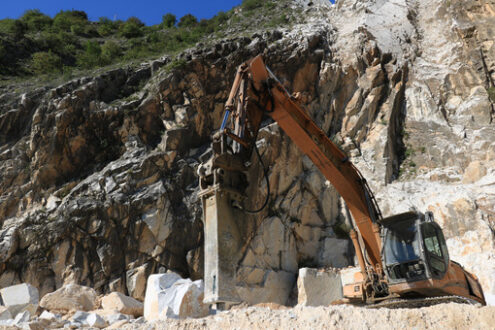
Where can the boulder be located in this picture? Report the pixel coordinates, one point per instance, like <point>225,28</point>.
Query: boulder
<point>156,284</point>
<point>136,282</point>
<point>318,287</point>
<point>123,304</point>
<point>70,297</point>
<point>80,317</point>
<point>22,317</point>
<point>183,299</point>
<point>84,319</point>
<point>46,315</point>
<point>96,321</point>
<point>5,313</point>
<point>41,324</point>
<point>19,298</point>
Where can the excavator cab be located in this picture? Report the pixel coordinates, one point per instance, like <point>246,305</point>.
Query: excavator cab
<point>414,248</point>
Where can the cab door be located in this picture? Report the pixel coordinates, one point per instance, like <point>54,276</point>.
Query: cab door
<point>435,249</point>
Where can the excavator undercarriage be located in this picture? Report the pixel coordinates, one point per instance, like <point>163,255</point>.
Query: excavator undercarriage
<point>402,258</point>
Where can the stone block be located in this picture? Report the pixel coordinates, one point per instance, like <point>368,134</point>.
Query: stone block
<point>318,287</point>
<point>183,299</point>
<point>19,298</point>
<point>70,297</point>
<point>123,304</point>
<point>156,284</point>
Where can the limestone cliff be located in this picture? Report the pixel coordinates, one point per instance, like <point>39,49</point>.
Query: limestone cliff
<point>98,182</point>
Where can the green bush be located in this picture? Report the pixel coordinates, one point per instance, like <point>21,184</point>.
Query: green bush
<point>252,4</point>
<point>270,5</point>
<point>46,62</point>
<point>13,27</point>
<point>153,37</point>
<point>91,56</point>
<point>188,20</point>
<point>3,53</point>
<point>110,51</point>
<point>62,43</point>
<point>175,65</point>
<point>221,18</point>
<point>106,27</point>
<point>35,20</point>
<point>168,20</point>
<point>135,20</point>
<point>73,21</point>
<point>132,28</point>
<point>278,21</point>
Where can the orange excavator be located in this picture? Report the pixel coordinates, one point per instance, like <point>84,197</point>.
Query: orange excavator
<point>402,258</point>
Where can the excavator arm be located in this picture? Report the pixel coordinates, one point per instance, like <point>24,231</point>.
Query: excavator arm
<point>329,159</point>
<point>256,93</point>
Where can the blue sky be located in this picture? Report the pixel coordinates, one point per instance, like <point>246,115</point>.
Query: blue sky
<point>149,11</point>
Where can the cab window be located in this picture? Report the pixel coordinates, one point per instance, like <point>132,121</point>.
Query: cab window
<point>434,244</point>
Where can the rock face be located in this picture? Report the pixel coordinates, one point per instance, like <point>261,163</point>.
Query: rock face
<point>98,182</point>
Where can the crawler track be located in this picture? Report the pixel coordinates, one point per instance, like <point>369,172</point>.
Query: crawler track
<point>423,302</point>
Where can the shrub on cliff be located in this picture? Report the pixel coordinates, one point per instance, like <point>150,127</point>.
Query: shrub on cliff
<point>252,4</point>
<point>13,27</point>
<point>188,20</point>
<point>91,56</point>
<point>46,62</point>
<point>110,51</point>
<point>168,20</point>
<point>36,20</point>
<point>132,28</point>
<point>73,21</point>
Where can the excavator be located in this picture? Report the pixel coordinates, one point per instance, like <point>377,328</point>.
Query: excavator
<point>402,258</point>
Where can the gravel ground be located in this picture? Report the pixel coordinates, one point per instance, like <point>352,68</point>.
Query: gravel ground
<point>444,316</point>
